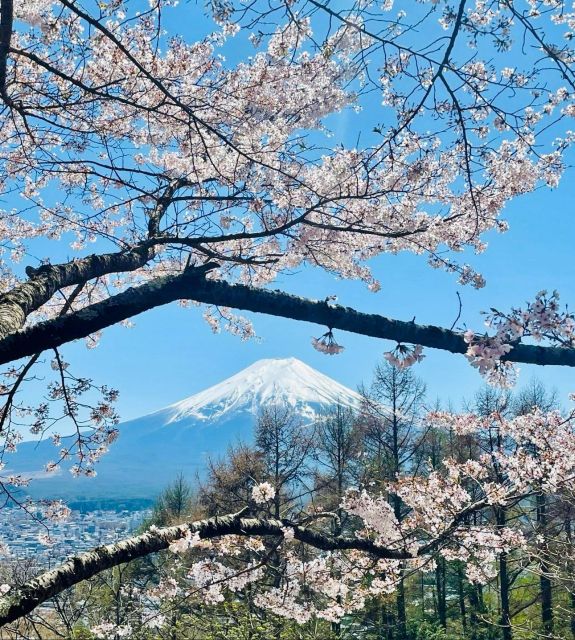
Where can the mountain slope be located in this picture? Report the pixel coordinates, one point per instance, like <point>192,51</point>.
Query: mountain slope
<point>151,450</point>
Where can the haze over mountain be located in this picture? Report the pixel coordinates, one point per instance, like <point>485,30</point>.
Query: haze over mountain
<point>153,449</point>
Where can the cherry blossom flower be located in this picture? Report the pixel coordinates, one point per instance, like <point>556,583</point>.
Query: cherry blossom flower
<point>263,492</point>
<point>541,320</point>
<point>187,542</point>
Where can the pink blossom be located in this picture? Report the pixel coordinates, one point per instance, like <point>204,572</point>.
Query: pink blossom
<point>263,492</point>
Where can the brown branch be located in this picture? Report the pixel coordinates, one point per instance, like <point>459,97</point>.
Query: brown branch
<point>86,565</point>
<point>192,285</point>
<point>18,303</point>
<point>6,18</point>
<point>22,600</point>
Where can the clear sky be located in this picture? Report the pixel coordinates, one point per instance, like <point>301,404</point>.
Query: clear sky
<point>172,353</point>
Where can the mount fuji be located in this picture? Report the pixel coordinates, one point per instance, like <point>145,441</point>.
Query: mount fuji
<point>151,450</point>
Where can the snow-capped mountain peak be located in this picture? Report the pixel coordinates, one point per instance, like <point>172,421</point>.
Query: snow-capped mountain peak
<point>288,381</point>
<point>153,449</point>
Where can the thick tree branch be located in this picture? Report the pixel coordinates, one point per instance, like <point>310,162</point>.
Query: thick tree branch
<point>192,285</point>
<point>6,19</point>
<point>86,565</point>
<point>17,304</point>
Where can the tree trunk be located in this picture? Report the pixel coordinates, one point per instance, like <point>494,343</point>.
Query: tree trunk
<point>505,619</point>
<point>544,581</point>
<point>422,596</point>
<point>400,604</point>
<point>569,536</point>
<point>385,631</point>
<point>546,603</point>
<point>400,595</point>
<point>461,594</point>
<point>440,589</point>
<point>476,609</point>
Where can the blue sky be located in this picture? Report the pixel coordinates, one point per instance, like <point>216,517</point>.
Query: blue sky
<point>172,353</point>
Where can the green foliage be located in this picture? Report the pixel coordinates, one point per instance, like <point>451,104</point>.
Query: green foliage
<point>81,633</point>
<point>425,630</point>
<point>173,504</point>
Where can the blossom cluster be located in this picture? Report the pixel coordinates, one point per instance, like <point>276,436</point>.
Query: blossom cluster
<point>404,356</point>
<point>327,344</point>
<point>263,492</point>
<point>541,320</point>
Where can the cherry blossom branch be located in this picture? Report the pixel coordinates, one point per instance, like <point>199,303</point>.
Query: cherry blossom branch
<point>17,304</point>
<point>193,285</point>
<point>552,52</point>
<point>86,565</point>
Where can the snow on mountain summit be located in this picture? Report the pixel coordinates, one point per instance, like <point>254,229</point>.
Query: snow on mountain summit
<point>288,381</point>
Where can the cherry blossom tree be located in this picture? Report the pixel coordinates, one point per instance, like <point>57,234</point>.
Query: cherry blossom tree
<point>171,173</point>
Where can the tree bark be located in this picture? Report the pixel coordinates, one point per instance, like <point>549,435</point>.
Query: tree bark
<point>23,299</point>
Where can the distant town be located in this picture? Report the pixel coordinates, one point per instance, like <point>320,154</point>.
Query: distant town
<point>83,530</point>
